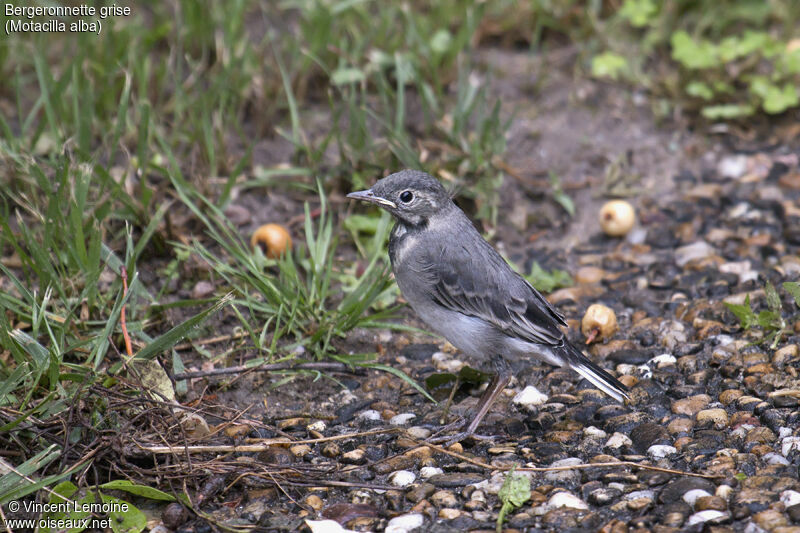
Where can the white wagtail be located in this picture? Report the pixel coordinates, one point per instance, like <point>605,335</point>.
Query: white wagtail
<point>465,291</point>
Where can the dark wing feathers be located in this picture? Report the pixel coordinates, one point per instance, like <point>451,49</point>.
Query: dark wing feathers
<point>481,284</point>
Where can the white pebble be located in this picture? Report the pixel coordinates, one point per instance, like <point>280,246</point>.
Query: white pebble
<point>784,432</point>
<point>419,432</point>
<point>427,471</point>
<point>593,432</point>
<point>402,478</point>
<point>659,451</point>
<point>618,440</point>
<point>733,166</point>
<point>404,523</point>
<point>692,252</point>
<point>319,425</point>
<point>369,414</point>
<point>635,495</point>
<point>326,526</point>
<point>564,476</point>
<point>566,499</point>
<point>664,359</point>
<point>703,516</point>
<point>402,418</point>
<point>691,496</point>
<point>773,458</point>
<point>790,497</point>
<point>788,444</point>
<point>529,397</point>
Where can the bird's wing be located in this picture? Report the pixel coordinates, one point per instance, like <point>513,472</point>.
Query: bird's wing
<point>481,284</point>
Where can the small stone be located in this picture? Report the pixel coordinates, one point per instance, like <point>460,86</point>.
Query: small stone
<point>401,419</point>
<point>202,289</point>
<point>444,498</point>
<point>449,514</point>
<point>680,425</point>
<point>604,496</point>
<point>354,457</point>
<point>402,478</point>
<point>564,476</point>
<point>675,490</point>
<point>729,396</point>
<point>710,503</point>
<point>300,450</point>
<point>455,479</point>
<point>788,444</point>
<point>420,492</point>
<point>660,451</point>
<point>325,526</point>
<point>429,471</point>
<point>704,516</point>
<point>566,499</point>
<point>639,504</point>
<point>369,415</point>
<point>760,435</point>
<point>318,426</point>
<point>593,432</point>
<point>529,398</point>
<point>732,167</point>
<point>277,455</point>
<point>716,417</point>
<point>770,519</point>
<point>331,450</point>
<point>589,274</point>
<point>692,405</point>
<point>405,523</point>
<point>314,501</point>
<point>790,498</point>
<point>618,440</point>
<point>691,496</point>
<point>693,252</point>
<point>419,432</point>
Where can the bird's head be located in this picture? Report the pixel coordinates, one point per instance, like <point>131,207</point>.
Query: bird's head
<point>411,196</point>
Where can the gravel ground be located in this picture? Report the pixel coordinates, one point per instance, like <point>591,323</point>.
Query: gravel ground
<point>707,397</point>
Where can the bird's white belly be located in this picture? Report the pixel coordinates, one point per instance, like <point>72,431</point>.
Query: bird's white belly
<point>469,334</point>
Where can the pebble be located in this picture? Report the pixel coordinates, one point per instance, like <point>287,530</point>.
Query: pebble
<point>429,471</point>
<point>402,478</point>
<point>369,415</point>
<point>663,360</point>
<point>449,514</point>
<point>770,519</point>
<point>420,492</point>
<point>566,499</point>
<point>354,457</point>
<point>593,432</point>
<point>716,417</point>
<point>402,418</point>
<point>444,498</point>
<point>419,432</point>
<point>790,498</point>
<point>455,479</point>
<point>405,523</point>
<point>675,490</point>
<point>789,444</point>
<point>326,526</point>
<point>314,501</point>
<point>701,517</point>
<point>529,398</point>
<point>691,496</point>
<point>693,252</point>
<point>710,503</point>
<point>564,476</point>
<point>202,289</point>
<point>319,426</point>
<point>604,496</point>
<point>660,451</point>
<point>618,440</point>
<point>692,405</point>
<point>732,166</point>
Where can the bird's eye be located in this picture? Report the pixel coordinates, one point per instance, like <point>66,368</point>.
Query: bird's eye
<point>406,196</point>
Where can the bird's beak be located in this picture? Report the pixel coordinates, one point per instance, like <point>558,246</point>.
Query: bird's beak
<point>369,196</point>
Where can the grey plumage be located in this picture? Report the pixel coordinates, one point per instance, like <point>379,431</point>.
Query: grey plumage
<point>463,289</point>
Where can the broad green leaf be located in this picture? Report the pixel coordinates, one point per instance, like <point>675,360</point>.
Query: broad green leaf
<point>608,65</point>
<point>743,312</point>
<point>138,490</point>
<point>639,12</point>
<point>126,518</point>
<point>693,54</point>
<point>516,490</point>
<point>698,89</point>
<point>793,288</point>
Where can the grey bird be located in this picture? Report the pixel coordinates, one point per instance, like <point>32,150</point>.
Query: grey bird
<point>466,292</point>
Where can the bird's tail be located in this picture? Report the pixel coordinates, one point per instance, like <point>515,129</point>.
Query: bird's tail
<point>571,357</point>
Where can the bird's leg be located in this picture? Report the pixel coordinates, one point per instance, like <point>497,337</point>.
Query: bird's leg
<point>498,383</point>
